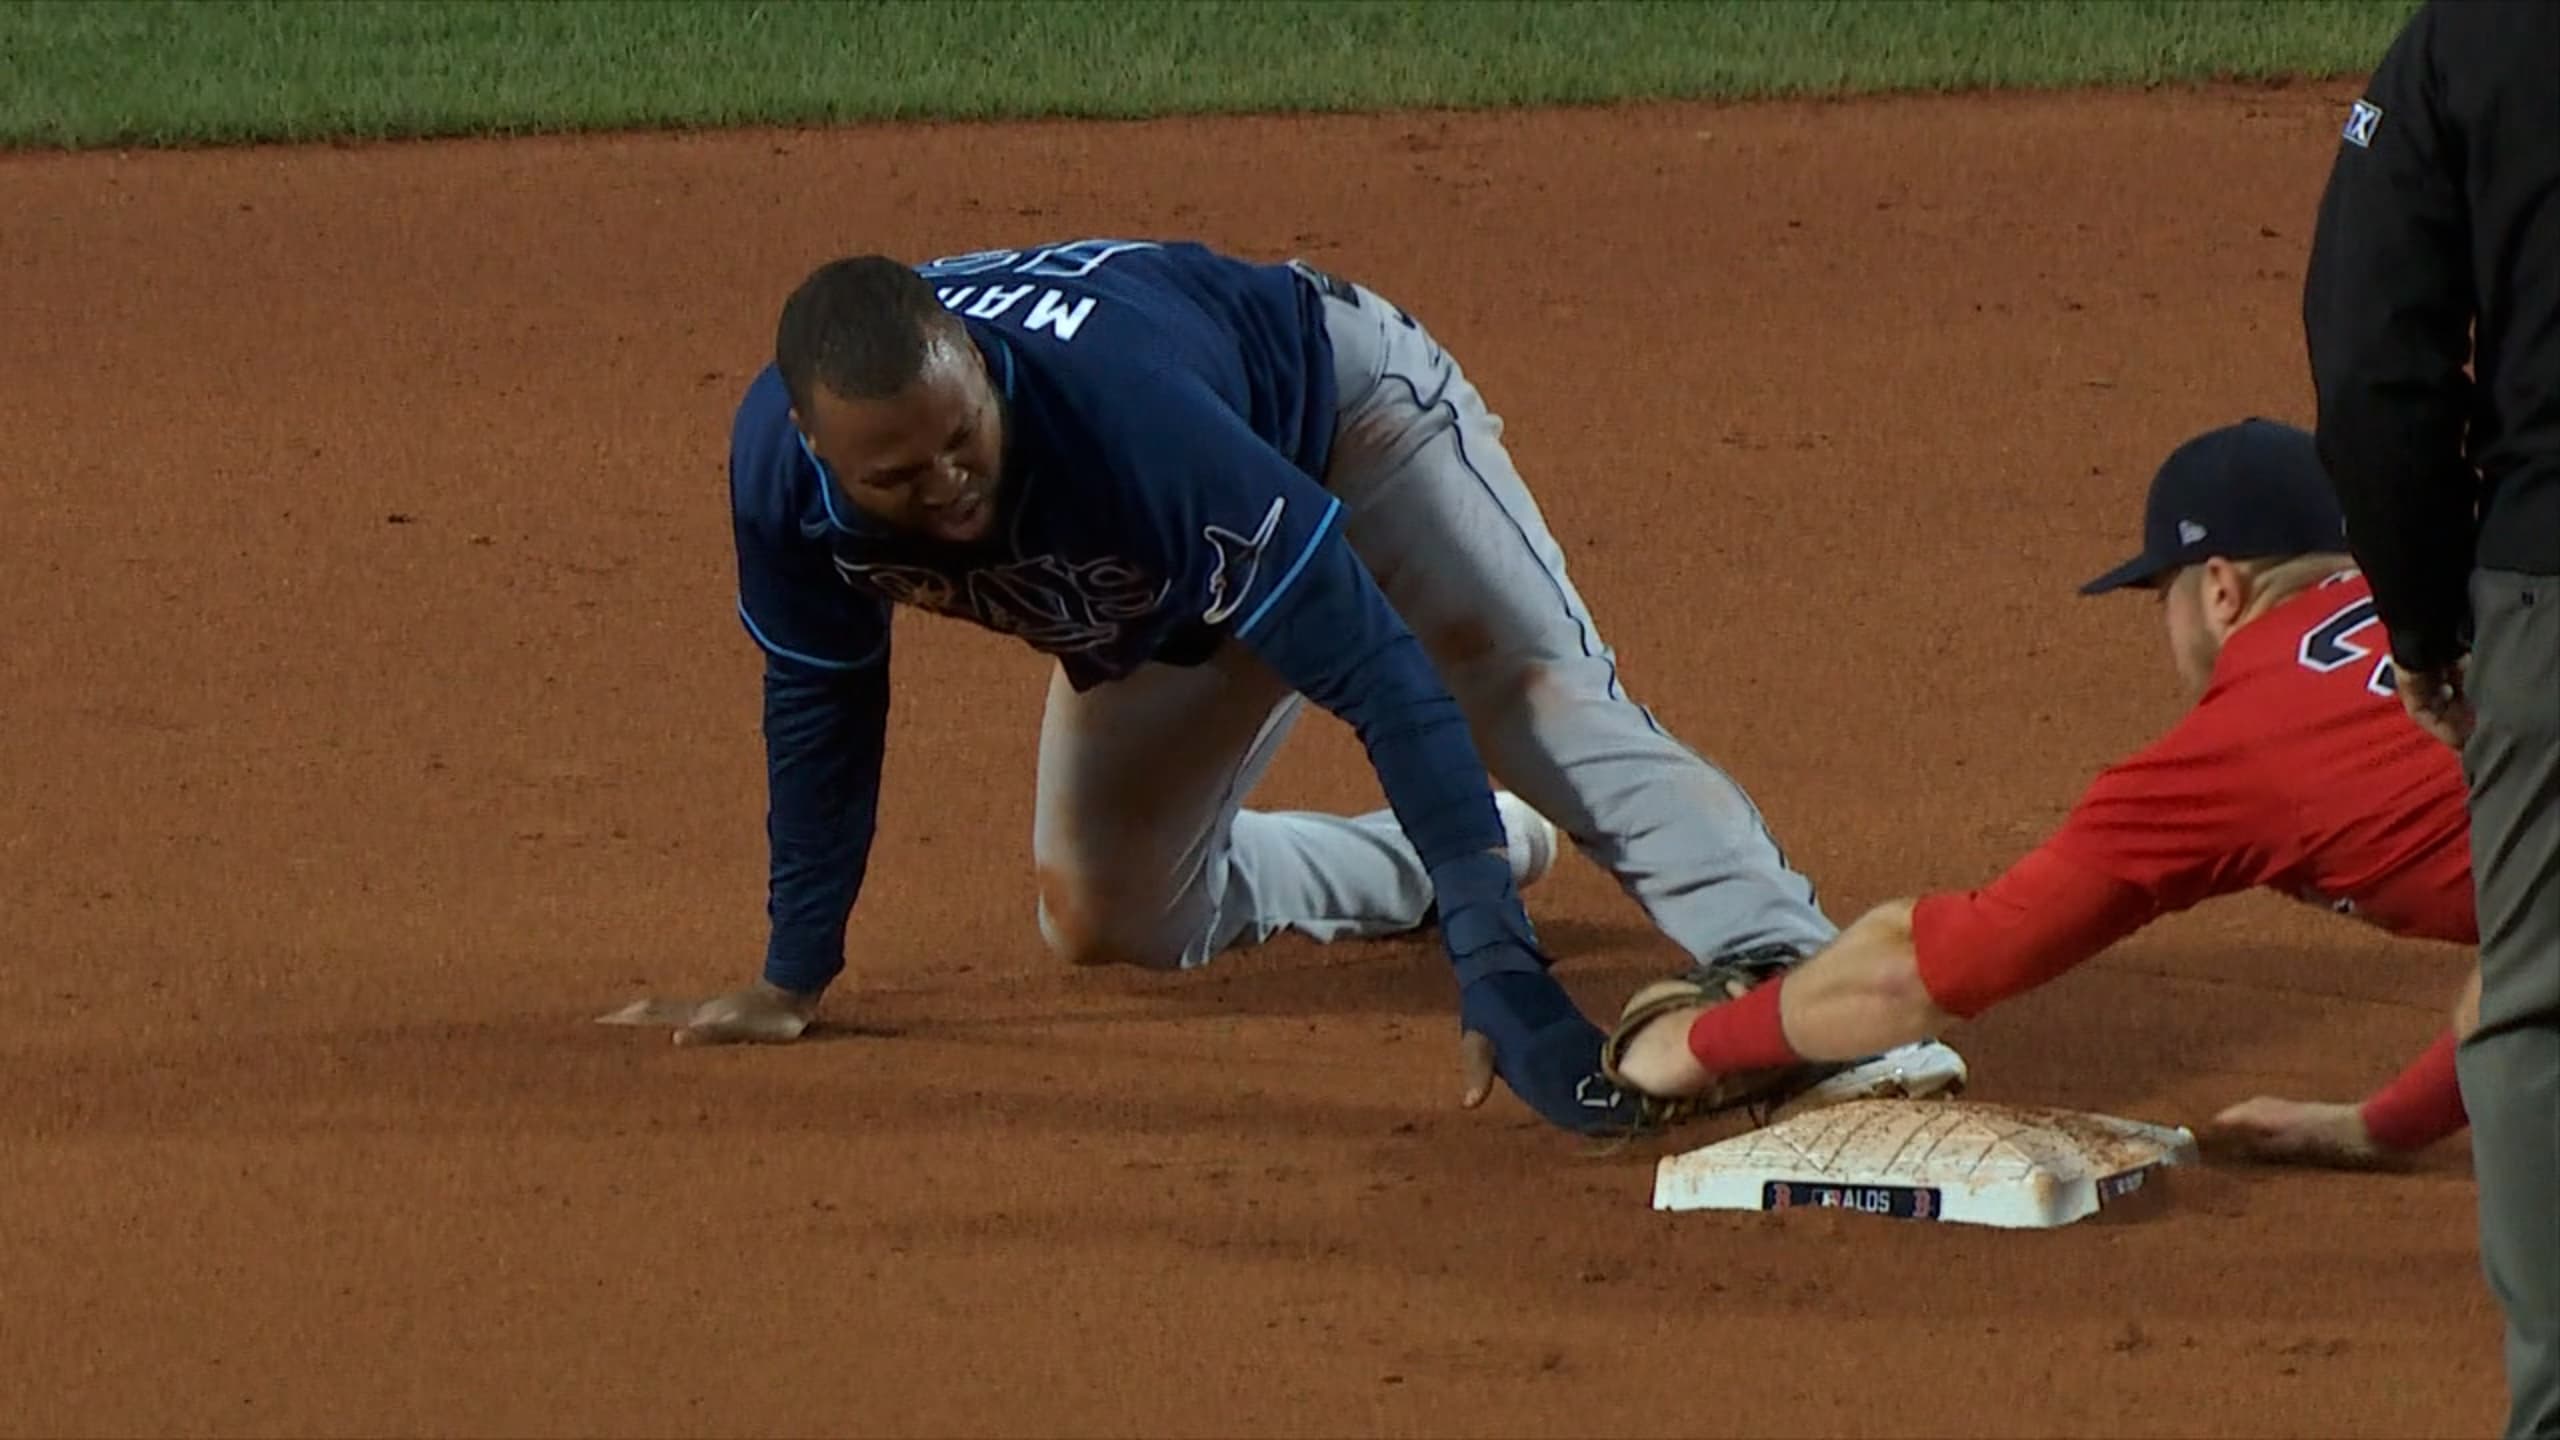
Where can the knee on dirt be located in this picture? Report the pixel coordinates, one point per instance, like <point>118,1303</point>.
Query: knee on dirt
<point>1084,928</point>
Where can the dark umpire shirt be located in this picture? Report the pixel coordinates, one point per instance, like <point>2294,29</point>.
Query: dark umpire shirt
<point>2443,212</point>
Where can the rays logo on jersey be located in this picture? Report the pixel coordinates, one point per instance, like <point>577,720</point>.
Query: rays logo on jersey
<point>1053,604</point>
<point>1239,561</point>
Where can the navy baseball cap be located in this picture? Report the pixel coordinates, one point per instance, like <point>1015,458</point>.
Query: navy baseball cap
<point>2243,492</point>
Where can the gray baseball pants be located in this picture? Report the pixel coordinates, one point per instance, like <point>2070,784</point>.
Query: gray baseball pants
<point>2511,1065</point>
<point>1145,852</point>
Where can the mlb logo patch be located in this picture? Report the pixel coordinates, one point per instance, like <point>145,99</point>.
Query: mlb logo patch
<point>2362,119</point>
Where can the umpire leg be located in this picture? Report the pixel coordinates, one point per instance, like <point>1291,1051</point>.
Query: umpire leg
<point>2511,1064</point>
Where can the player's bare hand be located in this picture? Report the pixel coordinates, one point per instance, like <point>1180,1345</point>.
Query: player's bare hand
<point>2303,1132</point>
<point>760,1014</point>
<point>2437,701</point>
<point>1657,1061</point>
<point>1475,1069</point>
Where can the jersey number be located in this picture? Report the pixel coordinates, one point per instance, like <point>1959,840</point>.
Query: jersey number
<point>2327,646</point>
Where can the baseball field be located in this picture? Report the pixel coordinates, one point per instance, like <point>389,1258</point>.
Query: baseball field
<point>376,715</point>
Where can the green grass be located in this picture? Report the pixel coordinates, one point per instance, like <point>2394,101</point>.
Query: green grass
<point>169,72</point>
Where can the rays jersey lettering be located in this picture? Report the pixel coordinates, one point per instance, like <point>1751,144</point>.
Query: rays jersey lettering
<point>1053,604</point>
<point>1001,284</point>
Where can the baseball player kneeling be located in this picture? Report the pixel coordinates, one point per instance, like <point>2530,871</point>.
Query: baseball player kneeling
<point>1212,490</point>
<point>2297,770</point>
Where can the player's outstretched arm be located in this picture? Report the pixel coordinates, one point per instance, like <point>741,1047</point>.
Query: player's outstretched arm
<point>824,740</point>
<point>1901,973</point>
<point>2420,1106</point>
<point>2157,832</point>
<point>1861,995</point>
<point>826,709</point>
<point>1259,549</point>
<point>1335,638</point>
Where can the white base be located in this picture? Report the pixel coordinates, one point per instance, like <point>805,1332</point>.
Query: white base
<point>2006,1165</point>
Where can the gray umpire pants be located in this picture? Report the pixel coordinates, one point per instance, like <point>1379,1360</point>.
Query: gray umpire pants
<point>2511,1065</point>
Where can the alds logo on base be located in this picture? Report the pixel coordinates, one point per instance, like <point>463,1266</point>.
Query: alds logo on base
<point>2363,118</point>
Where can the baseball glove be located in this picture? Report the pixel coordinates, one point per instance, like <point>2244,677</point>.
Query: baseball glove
<point>1710,983</point>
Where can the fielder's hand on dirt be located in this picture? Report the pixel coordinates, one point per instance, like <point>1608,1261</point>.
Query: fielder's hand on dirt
<point>2301,1132</point>
<point>761,1014</point>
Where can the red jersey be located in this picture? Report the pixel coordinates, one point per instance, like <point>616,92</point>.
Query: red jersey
<point>2298,771</point>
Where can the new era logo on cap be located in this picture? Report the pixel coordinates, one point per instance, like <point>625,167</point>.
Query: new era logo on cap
<point>2240,491</point>
<point>2363,118</point>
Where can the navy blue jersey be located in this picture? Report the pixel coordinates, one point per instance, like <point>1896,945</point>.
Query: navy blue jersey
<point>1168,418</point>
<point>1168,411</point>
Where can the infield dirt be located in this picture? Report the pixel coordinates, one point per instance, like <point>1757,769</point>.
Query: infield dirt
<point>377,714</point>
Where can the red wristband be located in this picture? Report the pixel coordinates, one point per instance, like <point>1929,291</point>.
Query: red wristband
<point>1744,1034</point>
<point>2422,1105</point>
